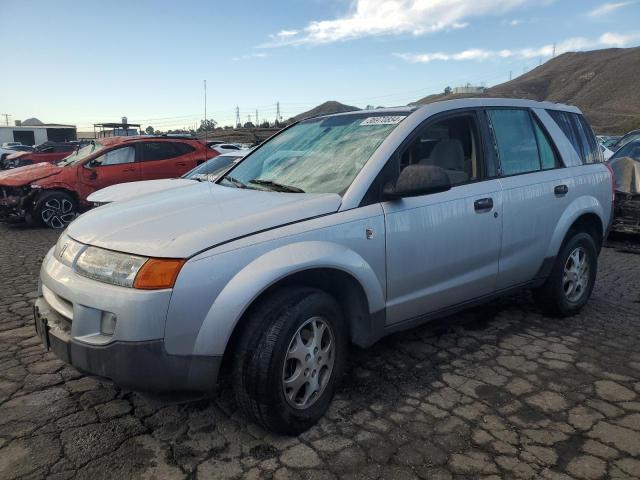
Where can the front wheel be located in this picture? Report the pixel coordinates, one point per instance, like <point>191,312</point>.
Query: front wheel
<point>55,209</point>
<point>572,278</point>
<point>289,359</point>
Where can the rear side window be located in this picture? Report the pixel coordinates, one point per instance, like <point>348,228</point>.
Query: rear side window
<point>516,141</point>
<point>183,148</point>
<point>579,134</point>
<point>548,157</point>
<point>158,151</point>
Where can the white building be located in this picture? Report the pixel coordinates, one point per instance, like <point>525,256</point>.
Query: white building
<point>34,132</point>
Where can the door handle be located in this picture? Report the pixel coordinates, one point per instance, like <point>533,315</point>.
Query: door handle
<point>561,190</point>
<point>180,164</point>
<point>483,204</point>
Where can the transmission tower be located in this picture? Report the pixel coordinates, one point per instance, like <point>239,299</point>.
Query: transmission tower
<point>257,123</point>
<point>278,117</point>
<point>237,116</point>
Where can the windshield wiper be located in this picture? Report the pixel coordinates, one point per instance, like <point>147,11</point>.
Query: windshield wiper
<point>276,186</point>
<point>235,181</point>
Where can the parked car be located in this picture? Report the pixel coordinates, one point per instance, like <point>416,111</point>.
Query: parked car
<point>5,151</point>
<point>208,171</point>
<point>625,164</point>
<point>610,142</point>
<point>225,147</point>
<point>606,153</point>
<point>632,135</point>
<point>339,229</point>
<point>53,194</point>
<point>49,152</point>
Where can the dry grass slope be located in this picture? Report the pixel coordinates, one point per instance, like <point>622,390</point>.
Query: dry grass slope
<point>602,83</point>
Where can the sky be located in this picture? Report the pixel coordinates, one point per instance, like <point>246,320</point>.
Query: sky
<point>82,62</point>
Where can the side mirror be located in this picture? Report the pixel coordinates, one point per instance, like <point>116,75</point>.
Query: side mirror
<point>91,173</point>
<point>416,180</point>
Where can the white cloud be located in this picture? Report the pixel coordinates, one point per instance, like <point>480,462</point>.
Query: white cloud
<point>570,45</point>
<point>391,17</point>
<point>607,8</point>
<point>249,56</point>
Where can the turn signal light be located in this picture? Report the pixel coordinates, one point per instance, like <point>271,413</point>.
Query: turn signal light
<point>158,273</point>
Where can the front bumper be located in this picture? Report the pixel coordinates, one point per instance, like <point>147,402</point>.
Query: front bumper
<point>141,366</point>
<point>70,317</point>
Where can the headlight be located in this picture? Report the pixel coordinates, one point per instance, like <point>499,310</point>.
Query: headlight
<point>67,249</point>
<point>128,270</point>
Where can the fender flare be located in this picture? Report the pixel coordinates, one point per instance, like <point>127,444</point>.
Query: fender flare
<point>580,206</point>
<point>268,269</point>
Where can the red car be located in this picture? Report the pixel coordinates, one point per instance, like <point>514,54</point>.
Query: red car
<point>49,152</point>
<point>53,194</point>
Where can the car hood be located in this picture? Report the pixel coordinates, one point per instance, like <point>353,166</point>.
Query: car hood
<point>17,177</point>
<point>127,191</point>
<point>179,224</point>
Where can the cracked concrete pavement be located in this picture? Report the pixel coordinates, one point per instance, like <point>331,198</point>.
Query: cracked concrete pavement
<point>499,391</point>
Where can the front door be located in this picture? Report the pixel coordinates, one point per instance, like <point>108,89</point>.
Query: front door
<point>443,248</point>
<point>115,166</point>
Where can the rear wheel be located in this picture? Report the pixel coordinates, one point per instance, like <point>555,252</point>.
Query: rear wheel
<point>290,359</point>
<point>55,209</point>
<point>569,286</point>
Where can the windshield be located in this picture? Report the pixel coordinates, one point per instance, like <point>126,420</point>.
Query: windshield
<point>213,167</point>
<point>320,155</point>
<point>80,154</point>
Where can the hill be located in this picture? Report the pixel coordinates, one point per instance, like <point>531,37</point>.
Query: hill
<point>325,108</point>
<point>602,83</point>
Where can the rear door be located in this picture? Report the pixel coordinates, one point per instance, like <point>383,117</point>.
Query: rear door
<point>166,159</point>
<point>535,188</point>
<point>118,165</point>
<point>443,248</point>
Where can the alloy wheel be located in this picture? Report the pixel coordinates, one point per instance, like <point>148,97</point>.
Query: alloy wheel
<point>309,363</point>
<point>575,278</point>
<point>57,212</point>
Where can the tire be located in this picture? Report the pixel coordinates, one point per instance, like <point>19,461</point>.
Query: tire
<point>269,354</point>
<point>564,296</point>
<point>54,209</point>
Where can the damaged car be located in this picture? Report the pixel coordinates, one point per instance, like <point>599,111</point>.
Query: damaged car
<point>53,194</point>
<point>625,164</point>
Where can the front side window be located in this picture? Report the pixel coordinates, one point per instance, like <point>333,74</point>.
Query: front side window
<point>321,155</point>
<point>158,151</point>
<point>451,144</point>
<point>118,156</point>
<point>516,141</point>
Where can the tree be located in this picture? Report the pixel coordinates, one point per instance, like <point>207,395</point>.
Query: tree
<point>149,130</point>
<point>207,125</point>
<point>265,124</point>
<point>249,125</point>
<point>447,91</point>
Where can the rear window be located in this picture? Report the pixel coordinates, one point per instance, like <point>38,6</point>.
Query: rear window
<point>579,134</point>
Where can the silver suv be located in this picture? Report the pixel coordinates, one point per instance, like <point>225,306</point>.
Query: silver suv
<point>339,229</point>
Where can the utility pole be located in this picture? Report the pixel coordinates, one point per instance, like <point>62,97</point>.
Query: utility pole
<point>554,51</point>
<point>6,117</point>
<point>206,124</point>
<point>237,116</point>
<point>257,118</point>
<point>277,112</point>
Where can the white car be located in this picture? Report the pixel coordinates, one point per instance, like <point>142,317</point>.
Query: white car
<point>209,171</point>
<point>606,153</point>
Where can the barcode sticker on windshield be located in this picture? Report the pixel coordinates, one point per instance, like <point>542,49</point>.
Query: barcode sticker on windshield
<point>385,120</point>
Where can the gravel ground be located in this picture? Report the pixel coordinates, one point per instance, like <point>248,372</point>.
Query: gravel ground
<point>497,391</point>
